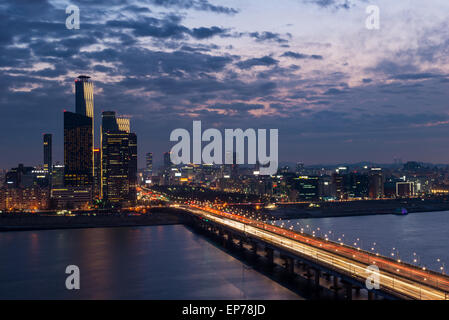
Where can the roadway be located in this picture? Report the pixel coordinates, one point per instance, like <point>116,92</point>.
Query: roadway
<point>396,277</point>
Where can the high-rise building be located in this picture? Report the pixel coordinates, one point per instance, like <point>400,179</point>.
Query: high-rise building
<point>307,188</point>
<point>167,160</point>
<point>96,189</point>
<point>115,166</point>
<point>47,153</point>
<point>376,183</point>
<point>118,161</point>
<point>84,96</point>
<point>78,151</point>
<point>84,102</point>
<point>149,164</point>
<point>57,178</point>
<point>124,125</point>
<point>132,167</point>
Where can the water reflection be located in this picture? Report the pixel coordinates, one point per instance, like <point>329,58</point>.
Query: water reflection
<point>163,262</point>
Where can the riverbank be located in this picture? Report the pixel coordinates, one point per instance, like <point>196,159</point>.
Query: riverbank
<point>357,208</point>
<point>27,222</point>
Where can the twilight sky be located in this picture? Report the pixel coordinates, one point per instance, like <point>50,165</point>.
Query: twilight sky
<point>336,91</point>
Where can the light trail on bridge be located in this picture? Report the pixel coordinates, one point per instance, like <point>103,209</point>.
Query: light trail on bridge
<point>394,277</point>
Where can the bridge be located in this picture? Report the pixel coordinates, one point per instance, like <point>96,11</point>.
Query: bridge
<point>347,266</point>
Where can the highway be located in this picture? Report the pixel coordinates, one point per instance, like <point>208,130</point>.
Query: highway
<point>395,277</point>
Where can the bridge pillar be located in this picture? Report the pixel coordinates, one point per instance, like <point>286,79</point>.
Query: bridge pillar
<point>254,248</point>
<point>240,243</point>
<point>288,264</point>
<point>357,290</point>
<point>335,287</point>
<point>371,295</point>
<point>317,278</point>
<point>269,254</point>
<point>308,274</point>
<point>348,291</point>
<point>222,235</point>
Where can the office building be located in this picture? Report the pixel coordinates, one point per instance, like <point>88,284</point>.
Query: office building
<point>149,164</point>
<point>48,153</point>
<point>78,151</point>
<point>118,161</point>
<point>376,183</point>
<point>123,124</point>
<point>84,102</point>
<point>96,188</point>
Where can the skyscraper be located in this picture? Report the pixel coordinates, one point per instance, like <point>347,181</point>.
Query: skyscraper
<point>84,102</point>
<point>118,160</point>
<point>48,153</point>
<point>167,160</point>
<point>132,166</point>
<point>149,164</point>
<point>376,183</point>
<point>84,96</point>
<point>78,153</point>
<point>123,124</point>
<point>97,174</point>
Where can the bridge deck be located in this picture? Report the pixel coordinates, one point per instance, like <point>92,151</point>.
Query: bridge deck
<point>397,278</point>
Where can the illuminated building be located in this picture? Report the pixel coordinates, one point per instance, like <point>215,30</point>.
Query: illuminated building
<point>57,178</point>
<point>118,161</point>
<point>19,177</point>
<point>71,198</point>
<point>47,153</point>
<point>123,124</point>
<point>132,167</point>
<point>376,183</point>
<point>357,185</point>
<point>405,189</point>
<point>28,198</point>
<point>96,188</point>
<point>84,96</point>
<point>84,102</point>
<point>26,188</point>
<point>149,164</point>
<point>78,149</point>
<point>338,185</point>
<point>307,188</point>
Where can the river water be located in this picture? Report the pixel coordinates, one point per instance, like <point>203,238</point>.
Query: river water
<point>160,262</point>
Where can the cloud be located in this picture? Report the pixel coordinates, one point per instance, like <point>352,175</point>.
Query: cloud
<point>202,5</point>
<point>250,63</point>
<point>296,55</point>
<point>335,4</point>
<point>416,76</point>
<point>268,36</point>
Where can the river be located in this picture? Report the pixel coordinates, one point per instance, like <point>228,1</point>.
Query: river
<point>160,262</point>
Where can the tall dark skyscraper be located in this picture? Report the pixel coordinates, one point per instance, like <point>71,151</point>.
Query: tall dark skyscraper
<point>47,153</point>
<point>96,188</point>
<point>149,164</point>
<point>118,160</point>
<point>84,102</point>
<point>167,160</point>
<point>78,151</point>
<point>132,175</point>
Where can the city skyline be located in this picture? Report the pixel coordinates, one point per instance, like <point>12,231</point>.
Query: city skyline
<point>340,95</point>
